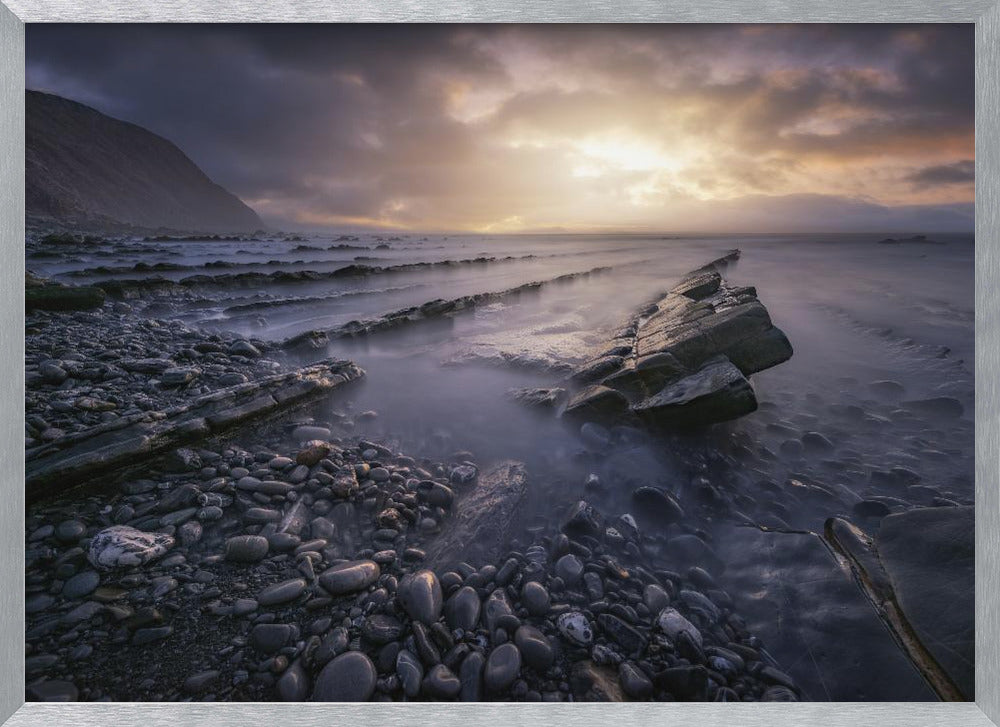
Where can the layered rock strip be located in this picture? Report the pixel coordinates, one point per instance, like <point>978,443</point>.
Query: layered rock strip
<point>432,311</point>
<point>684,360</point>
<point>158,286</point>
<point>129,441</point>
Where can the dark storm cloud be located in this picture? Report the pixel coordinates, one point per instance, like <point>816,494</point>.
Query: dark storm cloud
<point>503,127</point>
<point>963,172</point>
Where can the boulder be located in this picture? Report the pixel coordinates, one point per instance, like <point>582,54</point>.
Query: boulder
<point>597,403</point>
<point>121,546</point>
<point>717,392</point>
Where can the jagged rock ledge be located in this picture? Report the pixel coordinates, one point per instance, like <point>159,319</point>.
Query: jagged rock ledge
<point>126,442</point>
<point>437,310</point>
<point>682,361</point>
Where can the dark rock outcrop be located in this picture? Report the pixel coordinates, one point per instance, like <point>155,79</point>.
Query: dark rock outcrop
<point>42,294</point>
<point>683,361</point>
<point>88,170</point>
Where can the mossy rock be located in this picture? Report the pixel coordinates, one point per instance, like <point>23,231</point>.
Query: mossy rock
<point>62,298</point>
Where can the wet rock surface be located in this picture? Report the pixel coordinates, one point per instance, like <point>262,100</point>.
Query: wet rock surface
<point>628,565</point>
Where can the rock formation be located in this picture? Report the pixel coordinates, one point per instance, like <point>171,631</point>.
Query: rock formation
<point>683,360</point>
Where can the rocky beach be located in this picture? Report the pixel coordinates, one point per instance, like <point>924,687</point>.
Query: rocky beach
<point>557,472</point>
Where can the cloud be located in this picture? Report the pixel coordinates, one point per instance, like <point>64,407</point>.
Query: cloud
<point>963,172</point>
<point>577,127</point>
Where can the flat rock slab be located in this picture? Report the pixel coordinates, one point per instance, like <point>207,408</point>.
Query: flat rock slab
<point>485,518</point>
<point>717,392</point>
<point>105,448</point>
<point>813,618</point>
<point>929,557</point>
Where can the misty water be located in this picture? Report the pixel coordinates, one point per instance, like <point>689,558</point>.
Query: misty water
<point>856,312</point>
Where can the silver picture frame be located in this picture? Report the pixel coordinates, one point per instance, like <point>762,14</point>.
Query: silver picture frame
<point>985,14</point>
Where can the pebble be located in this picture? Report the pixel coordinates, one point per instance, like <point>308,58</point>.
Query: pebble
<point>149,635</point>
<point>502,667</point>
<point>293,686</point>
<point>420,595</point>
<point>634,681</point>
<point>570,569</point>
<point>463,608</point>
<point>671,622</point>
<point>382,629</point>
<point>441,683</point>
<point>471,677</point>
<point>269,638</point>
<point>69,531</point>
<point>575,628</point>
<point>80,585</point>
<point>410,672</point>
<point>349,677</point>
<point>534,647</point>
<point>283,592</point>
<point>657,506</point>
<point>349,577</point>
<point>536,598</point>
<point>246,548</point>
<point>199,682</point>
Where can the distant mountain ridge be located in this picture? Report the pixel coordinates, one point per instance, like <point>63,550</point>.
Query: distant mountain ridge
<point>86,169</point>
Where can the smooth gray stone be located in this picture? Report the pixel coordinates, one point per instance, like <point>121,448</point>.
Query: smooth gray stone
<point>471,677</point>
<point>293,686</point>
<point>421,596</point>
<point>535,597</point>
<point>634,681</point>
<point>534,647</point>
<point>349,677</point>
<point>462,609</point>
<point>283,592</point>
<point>410,672</point>
<point>246,548</point>
<point>570,569</point>
<point>441,683</point>
<point>269,638</point>
<point>382,629</point>
<point>502,667</point>
<point>82,584</point>
<point>349,577</point>
<point>197,683</point>
<point>53,690</point>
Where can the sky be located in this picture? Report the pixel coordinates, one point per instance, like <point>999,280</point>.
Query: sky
<point>530,128</point>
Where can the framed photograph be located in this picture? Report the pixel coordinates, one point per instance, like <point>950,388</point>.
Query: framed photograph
<point>586,362</point>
